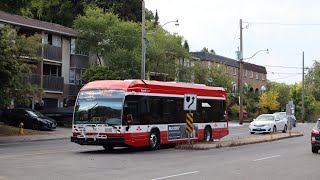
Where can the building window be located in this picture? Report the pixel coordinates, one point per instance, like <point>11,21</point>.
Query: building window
<point>226,69</point>
<point>209,64</point>
<point>234,71</point>
<point>72,78</point>
<point>251,74</point>
<point>263,77</point>
<point>76,76</point>
<point>257,76</point>
<point>244,72</point>
<point>218,65</point>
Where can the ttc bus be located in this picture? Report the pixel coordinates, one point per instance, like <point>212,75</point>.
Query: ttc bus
<point>142,113</point>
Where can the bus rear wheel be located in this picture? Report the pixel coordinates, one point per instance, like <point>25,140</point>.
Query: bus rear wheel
<point>207,134</point>
<point>154,140</point>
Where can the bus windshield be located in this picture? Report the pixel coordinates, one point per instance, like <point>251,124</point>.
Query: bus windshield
<point>99,107</point>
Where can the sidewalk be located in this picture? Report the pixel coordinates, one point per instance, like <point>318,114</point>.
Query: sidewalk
<point>57,134</point>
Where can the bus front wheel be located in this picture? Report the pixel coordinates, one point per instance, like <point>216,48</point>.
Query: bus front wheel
<point>154,140</point>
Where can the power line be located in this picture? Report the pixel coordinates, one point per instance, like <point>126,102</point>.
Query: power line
<point>285,77</point>
<point>282,72</point>
<point>283,67</point>
<point>285,24</point>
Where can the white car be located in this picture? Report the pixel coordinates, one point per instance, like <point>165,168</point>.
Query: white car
<point>294,120</point>
<point>268,123</point>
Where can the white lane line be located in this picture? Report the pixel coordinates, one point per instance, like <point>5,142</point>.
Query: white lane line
<point>267,158</point>
<point>182,174</point>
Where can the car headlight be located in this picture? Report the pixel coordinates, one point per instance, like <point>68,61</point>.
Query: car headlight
<point>269,124</point>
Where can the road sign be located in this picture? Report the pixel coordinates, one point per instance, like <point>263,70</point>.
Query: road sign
<point>190,102</point>
<point>189,120</point>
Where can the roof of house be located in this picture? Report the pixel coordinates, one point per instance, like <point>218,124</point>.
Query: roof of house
<point>36,24</point>
<point>205,56</point>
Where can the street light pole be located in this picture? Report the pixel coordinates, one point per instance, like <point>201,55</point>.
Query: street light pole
<point>143,61</point>
<point>302,112</point>
<point>240,76</point>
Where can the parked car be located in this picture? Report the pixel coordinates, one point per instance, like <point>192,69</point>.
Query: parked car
<point>293,120</point>
<point>315,138</point>
<point>31,119</point>
<point>268,123</point>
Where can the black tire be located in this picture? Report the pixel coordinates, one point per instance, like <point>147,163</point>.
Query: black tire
<point>315,149</point>
<point>35,126</point>
<point>207,134</point>
<point>274,130</point>
<point>252,132</point>
<point>108,147</point>
<point>154,140</point>
<point>285,129</point>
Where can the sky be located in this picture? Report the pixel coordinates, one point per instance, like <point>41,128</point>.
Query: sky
<point>286,28</point>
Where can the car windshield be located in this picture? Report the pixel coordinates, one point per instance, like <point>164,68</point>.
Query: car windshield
<point>34,113</point>
<point>99,107</point>
<point>265,118</point>
<point>318,124</point>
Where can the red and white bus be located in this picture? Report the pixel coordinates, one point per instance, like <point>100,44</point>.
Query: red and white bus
<point>116,113</point>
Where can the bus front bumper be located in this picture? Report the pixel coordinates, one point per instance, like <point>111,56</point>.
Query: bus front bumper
<point>115,141</point>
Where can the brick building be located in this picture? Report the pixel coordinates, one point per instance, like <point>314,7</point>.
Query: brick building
<point>253,76</point>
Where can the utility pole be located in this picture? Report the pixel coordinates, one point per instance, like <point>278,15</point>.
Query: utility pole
<point>240,76</point>
<point>302,112</point>
<point>143,60</point>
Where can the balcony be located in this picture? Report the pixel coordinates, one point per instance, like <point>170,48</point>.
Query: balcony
<point>50,83</point>
<point>79,61</point>
<point>51,52</point>
<point>74,89</point>
<point>35,79</point>
<point>53,83</point>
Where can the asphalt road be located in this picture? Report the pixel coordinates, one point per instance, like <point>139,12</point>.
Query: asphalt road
<point>60,159</point>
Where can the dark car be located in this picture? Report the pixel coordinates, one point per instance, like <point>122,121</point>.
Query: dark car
<point>315,138</point>
<point>31,119</point>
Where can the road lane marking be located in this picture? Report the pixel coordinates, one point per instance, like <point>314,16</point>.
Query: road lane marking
<point>267,158</point>
<point>175,175</point>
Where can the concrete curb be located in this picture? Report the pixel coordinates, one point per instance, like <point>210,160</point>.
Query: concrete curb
<point>238,142</point>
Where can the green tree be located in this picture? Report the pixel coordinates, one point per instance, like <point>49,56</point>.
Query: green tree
<point>312,106</point>
<point>284,93</point>
<point>219,77</point>
<point>17,59</point>
<point>98,73</point>
<point>312,82</point>
<point>205,49</point>
<point>186,45</point>
<point>112,40</point>
<point>251,103</point>
<point>200,72</point>
<point>268,102</point>
<point>164,52</point>
<point>64,12</point>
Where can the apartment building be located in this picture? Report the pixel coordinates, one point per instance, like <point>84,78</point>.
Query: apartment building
<point>254,77</point>
<point>59,74</point>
